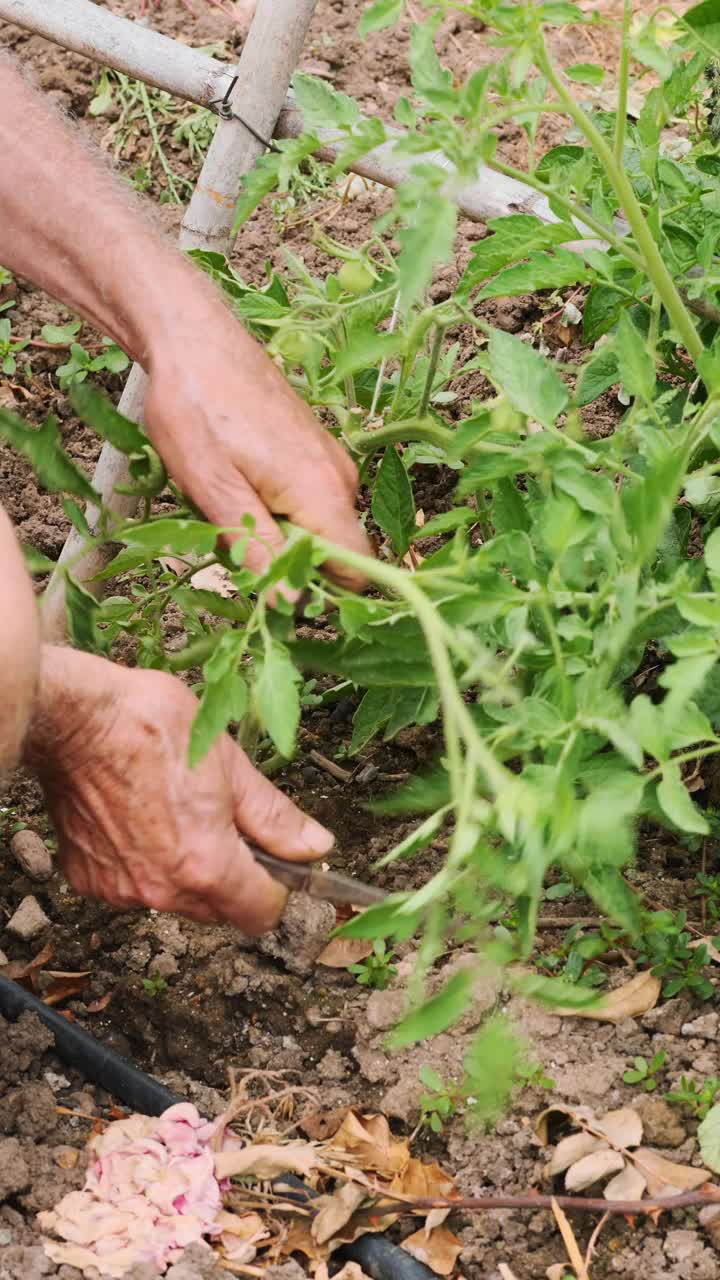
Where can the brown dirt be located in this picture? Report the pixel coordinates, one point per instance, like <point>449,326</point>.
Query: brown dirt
<point>227,1003</point>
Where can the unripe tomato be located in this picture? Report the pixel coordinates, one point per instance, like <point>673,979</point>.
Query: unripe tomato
<point>295,346</point>
<point>355,277</point>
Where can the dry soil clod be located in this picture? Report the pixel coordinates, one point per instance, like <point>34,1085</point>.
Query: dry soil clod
<point>32,854</point>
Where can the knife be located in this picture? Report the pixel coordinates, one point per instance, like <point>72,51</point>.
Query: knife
<point>308,877</point>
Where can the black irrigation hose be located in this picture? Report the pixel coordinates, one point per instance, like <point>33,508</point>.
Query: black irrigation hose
<point>80,1049</point>
<point>377,1256</point>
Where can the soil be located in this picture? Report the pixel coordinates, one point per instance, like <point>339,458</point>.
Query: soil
<point>227,1003</point>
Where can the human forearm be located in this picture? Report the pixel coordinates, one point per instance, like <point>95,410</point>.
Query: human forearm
<point>66,225</point>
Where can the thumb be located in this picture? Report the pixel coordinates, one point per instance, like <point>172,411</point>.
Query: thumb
<point>265,815</point>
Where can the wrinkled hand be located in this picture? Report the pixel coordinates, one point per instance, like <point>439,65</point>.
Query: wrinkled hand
<point>237,439</point>
<point>136,826</point>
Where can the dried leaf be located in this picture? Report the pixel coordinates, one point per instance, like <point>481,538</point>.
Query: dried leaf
<point>629,1184</point>
<point>66,1157</point>
<point>299,1240</point>
<point>71,984</point>
<point>266,1160</point>
<point>569,1150</point>
<point>97,1006</point>
<point>351,1271</point>
<point>569,1240</point>
<point>341,952</point>
<point>439,1249</point>
<point>622,1128</point>
<point>423,1181</point>
<point>577,1114</point>
<point>664,1177</point>
<point>18,969</point>
<point>319,1124</point>
<point>336,1210</point>
<point>368,1140</point>
<point>628,1001</point>
<point>592,1169</point>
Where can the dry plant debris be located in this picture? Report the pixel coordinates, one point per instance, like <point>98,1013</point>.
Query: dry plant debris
<point>631,1000</point>
<point>157,1185</point>
<point>607,1149</point>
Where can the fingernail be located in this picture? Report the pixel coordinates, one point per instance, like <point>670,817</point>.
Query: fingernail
<point>316,837</point>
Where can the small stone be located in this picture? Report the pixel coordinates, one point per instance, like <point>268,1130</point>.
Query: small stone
<point>385,1009</point>
<point>56,1082</point>
<point>14,1171</point>
<point>668,1017</point>
<point>84,1101</point>
<point>662,1126</point>
<point>29,920</point>
<point>66,1157</point>
<point>165,965</point>
<point>32,854</point>
<point>301,934</point>
<point>681,1245</point>
<point>333,1066</point>
<point>373,1063</point>
<point>705,1027</point>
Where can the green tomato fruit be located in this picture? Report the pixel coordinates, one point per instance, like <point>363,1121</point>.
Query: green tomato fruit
<point>356,278</point>
<point>296,347</point>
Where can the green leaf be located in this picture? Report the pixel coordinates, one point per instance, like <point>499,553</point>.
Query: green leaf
<point>585,73</point>
<point>278,699</point>
<point>514,237</point>
<point>96,410</point>
<point>369,665</point>
<point>612,894</point>
<point>365,348</point>
<point>528,379</point>
<point>417,840</point>
<point>491,1064</point>
<point>82,610</point>
<point>709,1138</point>
<point>224,698</point>
<point>41,446</point>
<point>370,717</point>
<point>541,271</point>
<point>62,334</point>
<point>168,534</point>
<point>438,1013</point>
<point>393,504</point>
<point>602,307</point>
<point>383,13</point>
<point>674,799</point>
<point>592,492</point>
<point>446,522</point>
<point>600,373</point>
<point>422,794</point>
<point>635,364</point>
<point>321,105</point>
<point>382,921</point>
<point>555,991</point>
<point>36,561</point>
<point>712,558</point>
<point>426,242</point>
<point>365,137</point>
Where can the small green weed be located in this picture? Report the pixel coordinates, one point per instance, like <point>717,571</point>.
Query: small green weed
<point>697,1098</point>
<point>531,1075</point>
<point>9,347</point>
<point>668,947</point>
<point>646,1073</point>
<point>154,985</point>
<point>376,971</point>
<point>441,1102</point>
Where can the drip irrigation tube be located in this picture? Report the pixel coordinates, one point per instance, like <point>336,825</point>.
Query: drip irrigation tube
<point>377,1256</point>
<point>78,1048</point>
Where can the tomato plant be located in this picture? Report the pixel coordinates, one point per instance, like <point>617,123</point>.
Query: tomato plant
<point>562,556</point>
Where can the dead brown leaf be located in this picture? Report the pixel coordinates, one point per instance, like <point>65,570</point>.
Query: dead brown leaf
<point>63,986</point>
<point>622,1128</point>
<point>593,1168</point>
<point>97,1006</point>
<point>336,1210</point>
<point>632,999</point>
<point>19,969</point>
<point>341,952</point>
<point>573,1148</point>
<point>422,1180</point>
<point>439,1249</point>
<point>629,1184</point>
<point>266,1160</point>
<point>368,1140</point>
<point>664,1177</point>
<point>319,1125</point>
<point>351,1271</point>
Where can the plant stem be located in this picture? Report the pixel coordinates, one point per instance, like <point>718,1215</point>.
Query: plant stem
<point>432,369</point>
<point>655,266</point>
<point>623,85</point>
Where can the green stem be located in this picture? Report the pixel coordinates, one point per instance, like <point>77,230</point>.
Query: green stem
<point>152,125</point>
<point>432,370</point>
<point>624,84</point>
<point>655,266</point>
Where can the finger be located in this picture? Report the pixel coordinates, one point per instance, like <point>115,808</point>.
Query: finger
<point>228,508</point>
<point>247,897</point>
<point>337,522</point>
<point>266,815</point>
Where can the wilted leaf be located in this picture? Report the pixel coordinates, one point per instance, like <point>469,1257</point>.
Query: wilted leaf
<point>97,1006</point>
<point>423,1181</point>
<point>64,985</point>
<point>336,1210</point>
<point>266,1160</point>
<point>622,1128</point>
<point>709,1137</point>
<point>19,969</point>
<point>239,1234</point>
<point>371,1144</point>
<point>593,1168</point>
<point>576,1114</point>
<point>569,1241</point>
<point>573,1148</point>
<point>319,1123</point>
<point>664,1178</point>
<point>629,1184</point>
<point>630,1000</point>
<point>341,952</point>
<point>439,1249</point>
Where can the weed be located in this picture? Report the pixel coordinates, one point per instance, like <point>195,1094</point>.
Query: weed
<point>154,985</point>
<point>376,971</point>
<point>669,948</point>
<point>9,347</point>
<point>646,1073</point>
<point>441,1101</point>
<point>697,1098</point>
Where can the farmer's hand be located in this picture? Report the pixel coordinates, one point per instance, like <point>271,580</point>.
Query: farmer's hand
<point>136,826</point>
<point>238,439</point>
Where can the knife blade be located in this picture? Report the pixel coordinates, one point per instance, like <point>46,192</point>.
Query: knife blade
<point>308,877</point>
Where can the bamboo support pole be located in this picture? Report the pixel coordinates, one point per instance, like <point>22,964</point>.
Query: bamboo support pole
<point>269,57</point>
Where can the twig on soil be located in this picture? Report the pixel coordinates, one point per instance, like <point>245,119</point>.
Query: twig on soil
<point>582,1204</point>
<point>592,1242</point>
<point>329,766</point>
